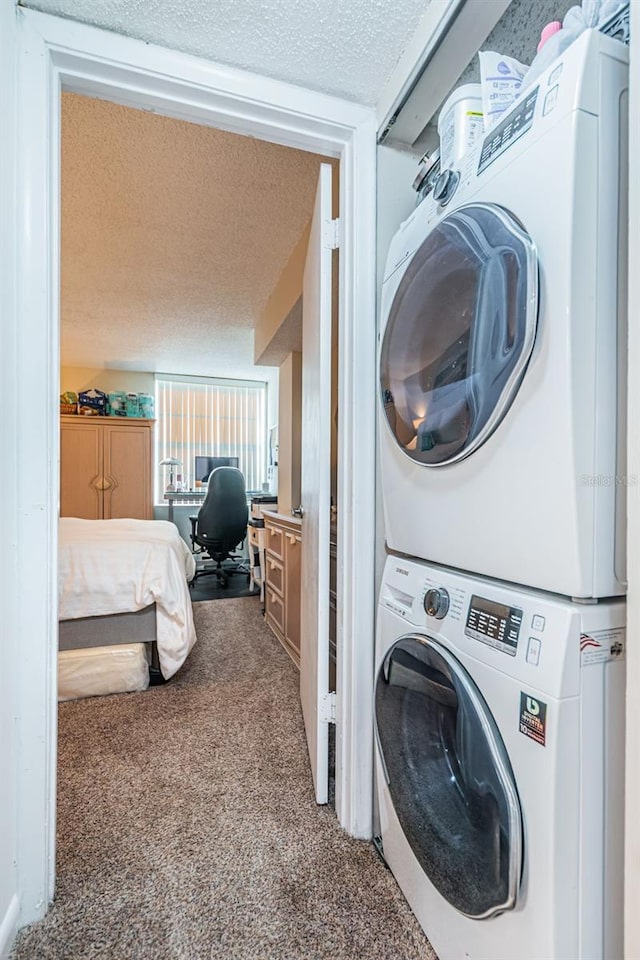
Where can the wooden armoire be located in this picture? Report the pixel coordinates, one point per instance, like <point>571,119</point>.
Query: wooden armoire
<point>105,468</point>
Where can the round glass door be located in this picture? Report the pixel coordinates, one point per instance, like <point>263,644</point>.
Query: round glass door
<point>459,335</point>
<point>449,777</point>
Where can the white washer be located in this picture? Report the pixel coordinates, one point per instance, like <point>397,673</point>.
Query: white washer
<point>502,362</point>
<point>499,764</point>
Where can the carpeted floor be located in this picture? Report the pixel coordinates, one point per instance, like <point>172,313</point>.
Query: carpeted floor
<point>187,828</point>
<point>208,588</point>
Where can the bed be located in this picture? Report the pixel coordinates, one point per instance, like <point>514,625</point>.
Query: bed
<point>124,584</point>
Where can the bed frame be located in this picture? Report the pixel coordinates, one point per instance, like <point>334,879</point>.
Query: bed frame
<point>115,628</point>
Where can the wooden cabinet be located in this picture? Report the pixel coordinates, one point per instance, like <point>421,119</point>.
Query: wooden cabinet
<point>283,558</point>
<point>105,468</point>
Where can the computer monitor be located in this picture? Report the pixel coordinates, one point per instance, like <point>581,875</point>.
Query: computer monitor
<point>204,466</point>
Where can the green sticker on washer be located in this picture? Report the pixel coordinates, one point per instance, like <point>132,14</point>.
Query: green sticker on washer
<point>533,718</point>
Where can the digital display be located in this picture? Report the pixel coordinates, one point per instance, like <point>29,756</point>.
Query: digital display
<point>494,623</point>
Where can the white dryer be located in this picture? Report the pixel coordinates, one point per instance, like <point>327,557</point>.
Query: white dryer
<point>502,359</point>
<point>499,764</point>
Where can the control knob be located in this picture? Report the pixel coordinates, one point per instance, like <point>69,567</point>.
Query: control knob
<point>436,602</point>
<point>445,186</point>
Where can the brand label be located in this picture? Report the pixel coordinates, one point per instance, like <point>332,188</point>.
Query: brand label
<point>533,718</point>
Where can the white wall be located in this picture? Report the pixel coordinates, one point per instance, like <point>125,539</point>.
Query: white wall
<point>84,378</point>
<point>9,639</point>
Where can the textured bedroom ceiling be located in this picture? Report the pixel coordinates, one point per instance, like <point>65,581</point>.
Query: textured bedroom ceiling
<point>348,49</point>
<point>173,237</point>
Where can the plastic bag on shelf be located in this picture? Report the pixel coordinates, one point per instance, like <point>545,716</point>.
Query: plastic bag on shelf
<point>501,79</point>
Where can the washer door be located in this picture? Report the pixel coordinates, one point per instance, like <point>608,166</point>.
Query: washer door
<point>449,777</point>
<point>460,333</point>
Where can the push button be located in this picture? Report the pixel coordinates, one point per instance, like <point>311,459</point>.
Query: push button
<point>533,651</point>
<point>550,100</point>
<point>538,623</point>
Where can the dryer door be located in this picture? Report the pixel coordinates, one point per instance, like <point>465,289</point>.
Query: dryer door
<point>449,777</point>
<point>459,335</point>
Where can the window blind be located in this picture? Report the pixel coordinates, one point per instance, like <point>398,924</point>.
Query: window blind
<point>210,418</point>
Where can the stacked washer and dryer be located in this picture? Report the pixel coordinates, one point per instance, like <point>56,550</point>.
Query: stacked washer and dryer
<point>499,697</point>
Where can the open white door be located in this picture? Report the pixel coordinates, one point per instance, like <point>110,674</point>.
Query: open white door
<point>315,485</point>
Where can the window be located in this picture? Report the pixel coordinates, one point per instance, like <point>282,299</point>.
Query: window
<point>211,418</point>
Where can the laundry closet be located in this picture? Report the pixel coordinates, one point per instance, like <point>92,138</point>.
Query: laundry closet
<point>501,561</point>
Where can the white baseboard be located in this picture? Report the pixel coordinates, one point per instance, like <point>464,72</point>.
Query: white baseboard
<point>9,926</point>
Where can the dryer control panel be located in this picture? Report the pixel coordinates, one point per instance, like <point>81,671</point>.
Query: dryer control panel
<point>495,624</point>
<point>515,125</point>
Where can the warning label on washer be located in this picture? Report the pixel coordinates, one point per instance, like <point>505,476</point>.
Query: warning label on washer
<point>601,645</point>
<point>533,718</point>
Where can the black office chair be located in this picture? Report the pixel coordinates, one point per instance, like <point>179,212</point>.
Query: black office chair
<point>221,523</point>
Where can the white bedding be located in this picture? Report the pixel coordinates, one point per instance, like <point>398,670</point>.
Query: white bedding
<point>119,566</point>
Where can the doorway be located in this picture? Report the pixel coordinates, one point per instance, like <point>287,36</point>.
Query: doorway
<point>57,55</point>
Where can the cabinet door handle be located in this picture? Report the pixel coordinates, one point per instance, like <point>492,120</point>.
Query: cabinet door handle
<point>102,483</point>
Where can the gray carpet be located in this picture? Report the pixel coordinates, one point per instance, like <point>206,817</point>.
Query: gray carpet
<point>187,828</point>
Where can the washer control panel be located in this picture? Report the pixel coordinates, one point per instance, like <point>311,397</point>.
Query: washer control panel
<point>495,624</point>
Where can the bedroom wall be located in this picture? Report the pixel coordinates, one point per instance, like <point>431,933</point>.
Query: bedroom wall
<point>140,381</point>
<point>9,666</point>
<point>289,432</point>
<point>83,378</point>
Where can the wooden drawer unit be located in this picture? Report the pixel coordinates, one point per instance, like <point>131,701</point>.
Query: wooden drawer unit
<point>274,611</point>
<point>275,574</point>
<point>283,543</point>
<point>275,540</point>
<point>254,536</point>
<point>293,574</point>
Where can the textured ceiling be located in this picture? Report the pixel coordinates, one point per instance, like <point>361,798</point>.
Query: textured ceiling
<point>173,237</point>
<point>348,49</point>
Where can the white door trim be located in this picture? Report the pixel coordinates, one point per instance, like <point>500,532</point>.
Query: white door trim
<point>632,798</point>
<point>57,54</point>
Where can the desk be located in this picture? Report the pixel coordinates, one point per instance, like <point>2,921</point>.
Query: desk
<point>194,497</point>
<point>255,535</point>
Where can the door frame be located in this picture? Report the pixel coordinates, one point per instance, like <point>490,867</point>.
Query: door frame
<point>632,732</point>
<point>56,54</point>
